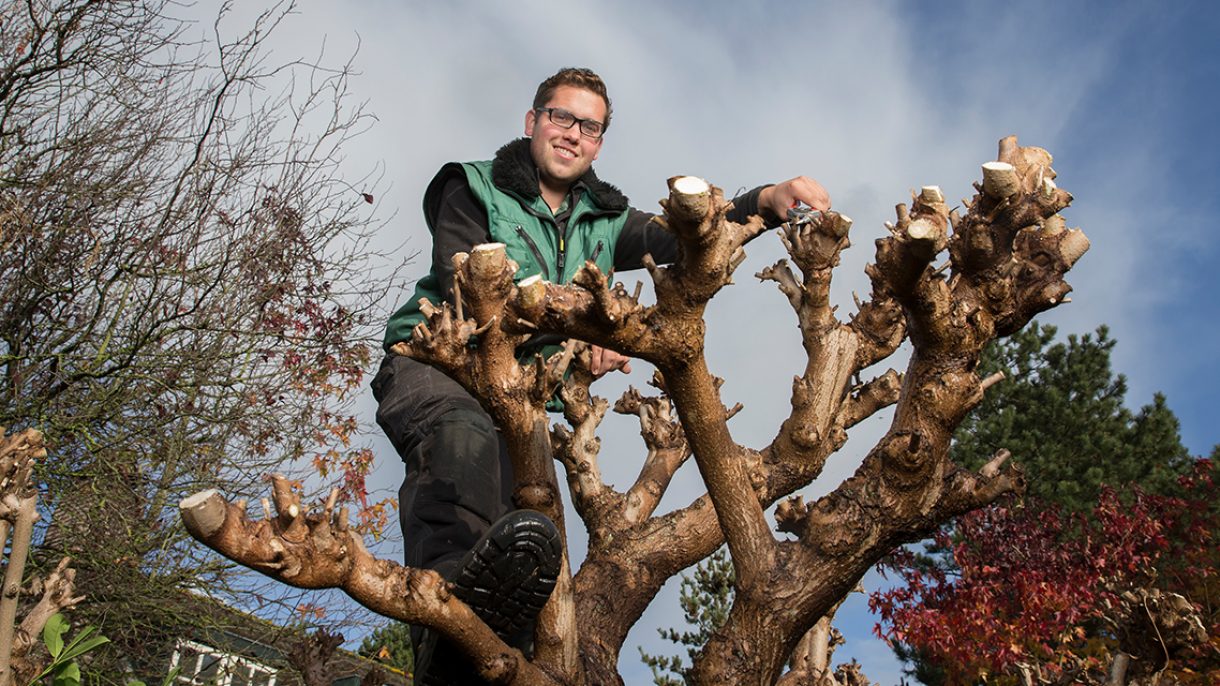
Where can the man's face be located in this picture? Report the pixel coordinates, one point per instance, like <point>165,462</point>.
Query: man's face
<point>564,155</point>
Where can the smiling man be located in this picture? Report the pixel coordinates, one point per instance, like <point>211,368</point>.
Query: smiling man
<point>540,197</point>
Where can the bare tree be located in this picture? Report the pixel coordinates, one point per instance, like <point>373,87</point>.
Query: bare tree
<point>1007,258</point>
<point>186,289</point>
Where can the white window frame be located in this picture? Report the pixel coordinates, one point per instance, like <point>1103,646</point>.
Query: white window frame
<point>224,673</point>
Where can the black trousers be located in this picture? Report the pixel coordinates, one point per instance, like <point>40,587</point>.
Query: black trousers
<point>459,478</point>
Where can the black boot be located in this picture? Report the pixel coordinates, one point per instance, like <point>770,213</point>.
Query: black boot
<point>506,579</point>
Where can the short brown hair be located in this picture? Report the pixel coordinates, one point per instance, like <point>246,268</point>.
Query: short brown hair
<point>577,77</point>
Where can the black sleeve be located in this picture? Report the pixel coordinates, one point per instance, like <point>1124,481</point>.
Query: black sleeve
<point>643,236</point>
<point>459,225</point>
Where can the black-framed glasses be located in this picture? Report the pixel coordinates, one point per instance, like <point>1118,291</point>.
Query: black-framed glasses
<point>590,128</point>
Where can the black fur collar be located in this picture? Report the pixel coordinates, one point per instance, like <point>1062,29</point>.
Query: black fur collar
<point>513,170</point>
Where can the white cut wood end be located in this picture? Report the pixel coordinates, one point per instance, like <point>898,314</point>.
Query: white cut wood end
<point>689,198</point>
<point>922,229</point>
<point>487,260</point>
<point>531,292</point>
<point>1048,188</point>
<point>1000,180</point>
<point>993,465</point>
<point>203,513</point>
<point>842,224</point>
<point>690,185</point>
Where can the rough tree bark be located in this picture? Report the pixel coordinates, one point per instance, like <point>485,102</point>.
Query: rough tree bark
<point>1007,258</point>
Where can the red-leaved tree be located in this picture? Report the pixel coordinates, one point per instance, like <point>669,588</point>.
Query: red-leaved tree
<point>1040,593</point>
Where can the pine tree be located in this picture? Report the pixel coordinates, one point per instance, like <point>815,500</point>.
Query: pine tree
<point>706,597</point>
<point>1060,411</point>
<point>390,644</point>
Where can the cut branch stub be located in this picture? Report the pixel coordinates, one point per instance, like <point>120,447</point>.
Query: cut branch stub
<point>1000,180</point>
<point>816,245</point>
<point>289,515</point>
<point>932,215</point>
<point>531,298</point>
<point>489,261</point>
<point>1073,245</point>
<point>690,201</point>
<point>904,256</point>
<point>204,513</point>
<point>486,280</point>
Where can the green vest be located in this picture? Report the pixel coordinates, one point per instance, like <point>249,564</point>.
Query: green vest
<point>531,237</point>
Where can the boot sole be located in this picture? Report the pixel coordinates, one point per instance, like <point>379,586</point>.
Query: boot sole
<point>506,579</point>
<point>510,573</point>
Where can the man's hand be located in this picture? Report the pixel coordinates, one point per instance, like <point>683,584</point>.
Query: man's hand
<point>605,361</point>
<point>778,198</point>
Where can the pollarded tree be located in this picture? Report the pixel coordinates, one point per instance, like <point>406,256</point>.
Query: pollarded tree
<point>185,298</point>
<point>1007,259</point>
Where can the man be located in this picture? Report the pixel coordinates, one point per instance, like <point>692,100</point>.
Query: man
<point>539,197</point>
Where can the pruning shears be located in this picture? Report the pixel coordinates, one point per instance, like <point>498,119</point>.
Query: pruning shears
<point>800,215</point>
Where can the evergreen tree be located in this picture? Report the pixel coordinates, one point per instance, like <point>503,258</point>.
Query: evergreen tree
<point>1060,411</point>
<point>707,596</point>
<point>391,645</point>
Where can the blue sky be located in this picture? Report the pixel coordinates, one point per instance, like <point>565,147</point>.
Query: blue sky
<point>872,99</point>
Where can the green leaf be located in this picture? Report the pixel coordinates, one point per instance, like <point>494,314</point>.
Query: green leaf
<point>67,675</point>
<point>81,645</point>
<point>53,634</point>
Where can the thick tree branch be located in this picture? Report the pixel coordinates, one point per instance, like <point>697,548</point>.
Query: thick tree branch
<point>318,550</point>
<point>906,485</point>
